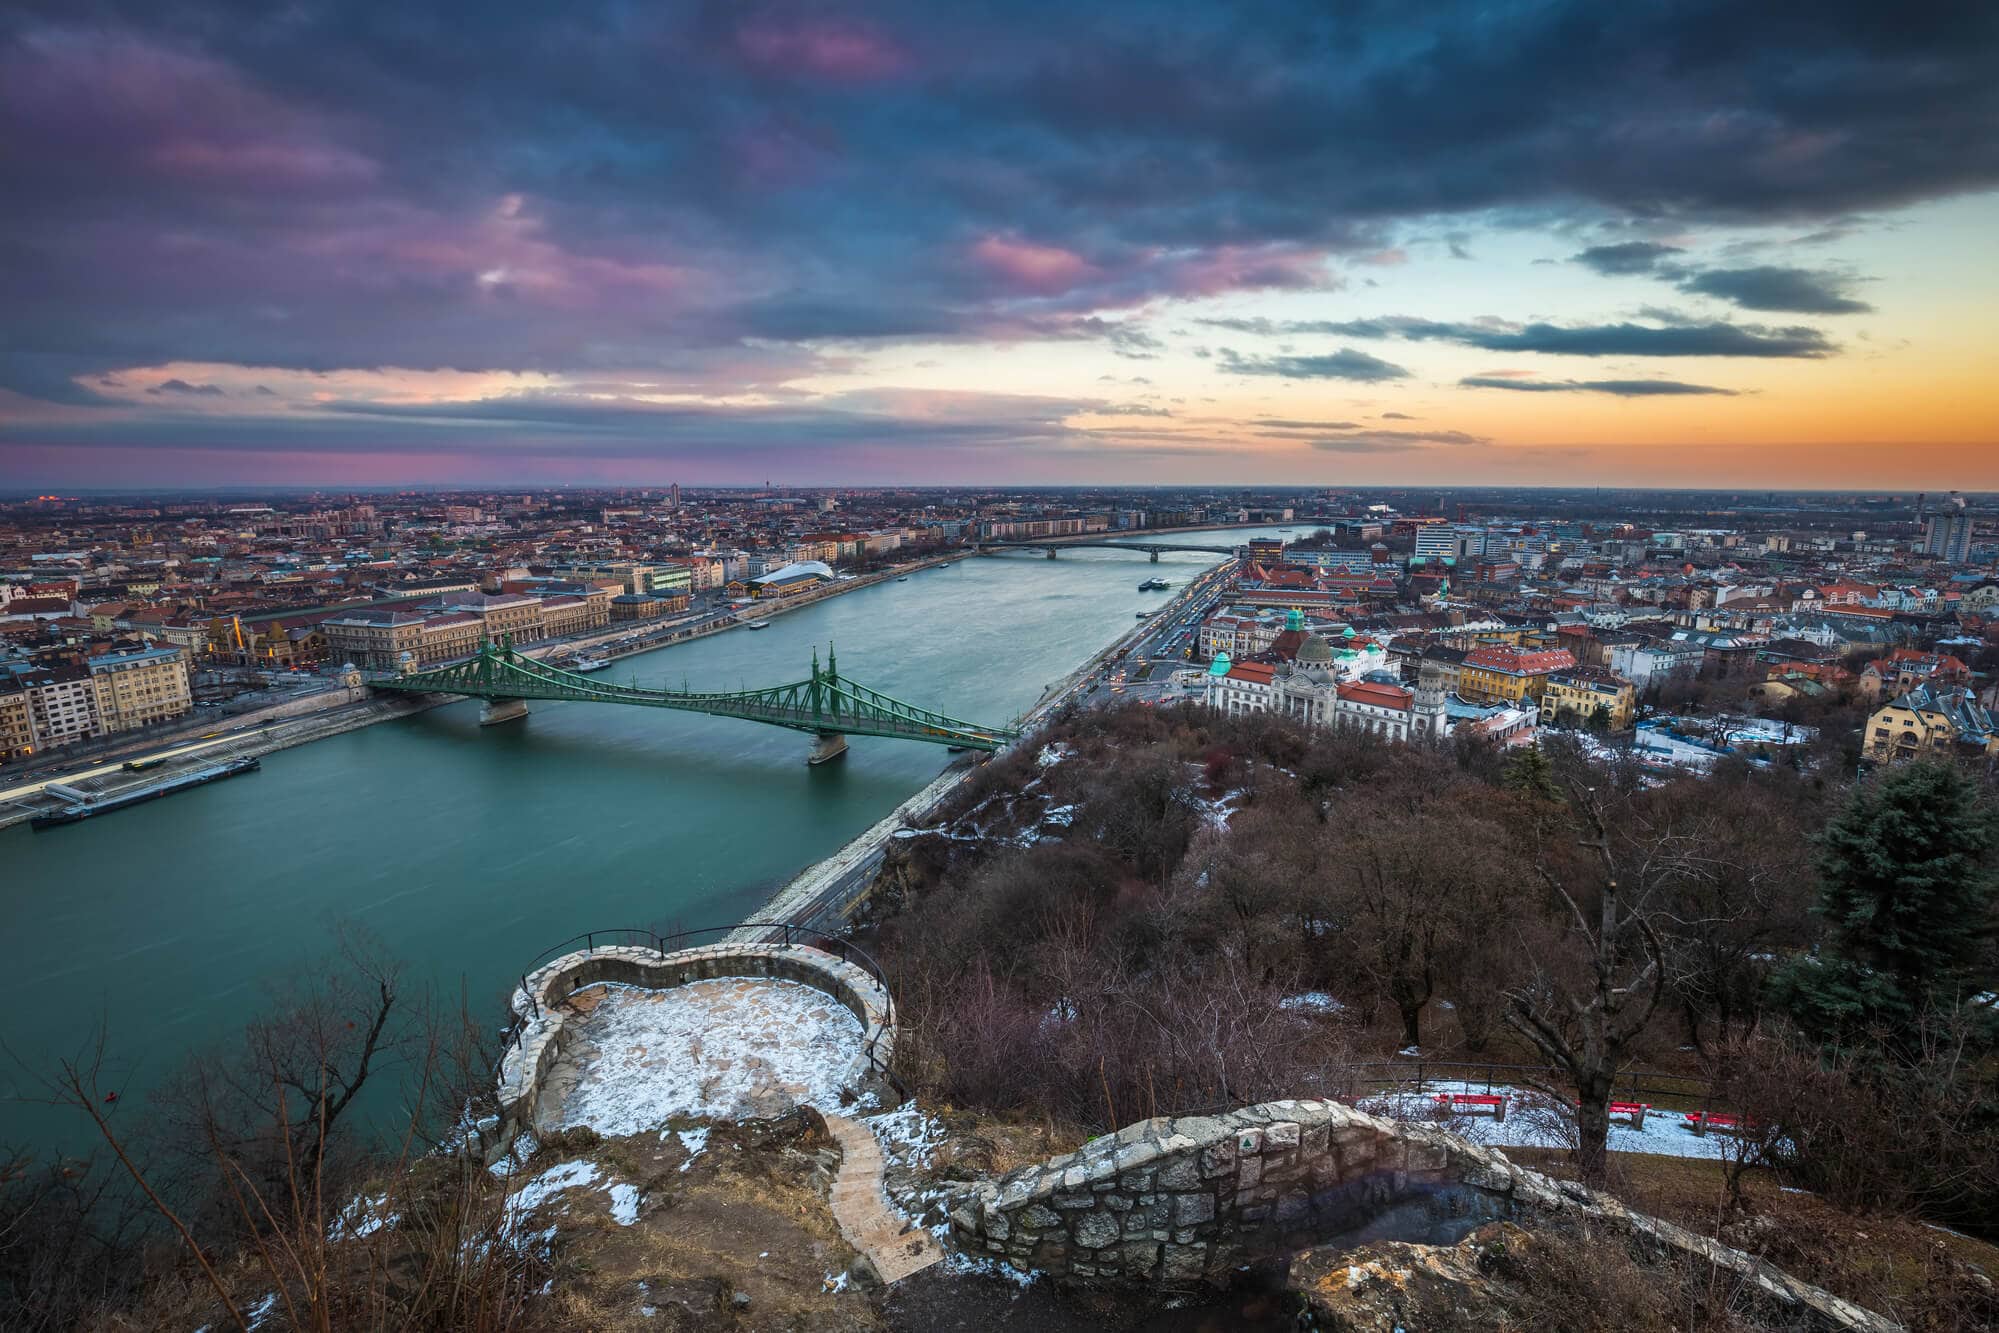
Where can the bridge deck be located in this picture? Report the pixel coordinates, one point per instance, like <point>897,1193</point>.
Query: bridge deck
<point>824,704</point>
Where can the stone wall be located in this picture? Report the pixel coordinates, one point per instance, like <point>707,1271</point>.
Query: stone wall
<point>537,1003</point>
<point>1182,1199</point>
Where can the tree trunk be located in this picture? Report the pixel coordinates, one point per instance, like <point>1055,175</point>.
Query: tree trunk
<point>1593,1128</point>
<point>1412,1020</point>
<point>1692,1017</point>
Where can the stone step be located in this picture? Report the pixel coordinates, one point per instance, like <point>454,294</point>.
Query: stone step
<point>892,1247</point>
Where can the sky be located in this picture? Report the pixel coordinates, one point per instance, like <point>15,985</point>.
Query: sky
<point>1702,244</point>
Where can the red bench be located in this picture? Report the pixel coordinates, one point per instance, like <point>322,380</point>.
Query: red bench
<point>1473,1103</point>
<point>1634,1111</point>
<point>1700,1122</point>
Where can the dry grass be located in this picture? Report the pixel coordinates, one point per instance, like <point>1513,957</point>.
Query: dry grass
<point>1919,1275</point>
<point>743,1239</point>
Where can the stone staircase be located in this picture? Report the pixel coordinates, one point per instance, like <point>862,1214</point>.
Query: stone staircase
<point>893,1247</point>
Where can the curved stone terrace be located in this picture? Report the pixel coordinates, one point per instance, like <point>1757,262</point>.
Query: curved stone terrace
<point>629,1036</point>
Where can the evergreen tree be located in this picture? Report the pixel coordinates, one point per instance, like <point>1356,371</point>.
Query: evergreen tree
<point>1906,895</point>
<point>1529,773</point>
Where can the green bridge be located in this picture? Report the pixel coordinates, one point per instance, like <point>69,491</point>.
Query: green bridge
<point>827,704</point>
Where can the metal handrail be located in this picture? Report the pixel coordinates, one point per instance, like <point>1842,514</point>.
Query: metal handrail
<point>673,942</point>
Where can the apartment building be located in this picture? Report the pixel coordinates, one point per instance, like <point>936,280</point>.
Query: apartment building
<point>139,687</point>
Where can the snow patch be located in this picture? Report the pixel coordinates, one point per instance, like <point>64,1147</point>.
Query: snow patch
<point>624,1204</point>
<point>1535,1120</point>
<point>362,1217</point>
<point>720,1049</point>
<point>560,1177</point>
<point>696,1143</point>
<point>516,1156</point>
<point>1312,1001</point>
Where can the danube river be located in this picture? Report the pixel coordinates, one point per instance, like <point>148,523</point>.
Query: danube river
<point>467,851</point>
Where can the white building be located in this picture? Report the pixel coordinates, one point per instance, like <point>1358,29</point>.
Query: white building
<point>1309,691</point>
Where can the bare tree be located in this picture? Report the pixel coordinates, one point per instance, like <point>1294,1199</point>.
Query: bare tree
<point>1584,1007</point>
<point>256,1202</point>
<point>1406,868</point>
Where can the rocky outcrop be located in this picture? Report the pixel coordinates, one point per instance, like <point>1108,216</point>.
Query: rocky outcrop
<point>1189,1198</point>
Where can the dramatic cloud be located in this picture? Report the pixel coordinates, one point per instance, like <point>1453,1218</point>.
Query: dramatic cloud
<point>1621,388</point>
<point>1804,291</point>
<point>1685,339</point>
<point>1624,258</point>
<point>182,386</point>
<point>725,198</point>
<point>1345,364</point>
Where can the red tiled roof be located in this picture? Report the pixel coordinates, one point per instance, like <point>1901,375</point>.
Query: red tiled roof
<point>1381,696</point>
<point>1259,672</point>
<point>1501,657</point>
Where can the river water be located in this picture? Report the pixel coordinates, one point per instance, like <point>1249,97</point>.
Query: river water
<point>467,851</point>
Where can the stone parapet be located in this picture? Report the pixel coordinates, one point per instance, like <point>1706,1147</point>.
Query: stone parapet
<point>1189,1198</point>
<point>537,1004</point>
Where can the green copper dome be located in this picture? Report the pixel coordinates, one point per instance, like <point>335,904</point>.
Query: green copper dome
<point>1221,665</point>
<point>1347,633</point>
<point>1294,619</point>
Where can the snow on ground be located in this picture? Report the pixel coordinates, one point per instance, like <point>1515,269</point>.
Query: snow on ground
<point>1765,731</point>
<point>1218,810</point>
<point>908,1139</point>
<point>1534,1120</point>
<point>1054,753</point>
<point>364,1216</point>
<point>553,1184</point>
<point>1312,1002</point>
<point>261,1311</point>
<point>721,1049</point>
<point>1657,745</point>
<point>695,1141</point>
<point>560,1177</point>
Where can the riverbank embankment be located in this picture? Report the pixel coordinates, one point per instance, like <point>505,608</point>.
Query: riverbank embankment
<point>826,893</point>
<point>624,642</point>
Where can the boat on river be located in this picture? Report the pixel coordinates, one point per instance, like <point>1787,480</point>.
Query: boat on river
<point>1154,585</point>
<point>759,624</point>
<point>585,665</point>
<point>91,807</point>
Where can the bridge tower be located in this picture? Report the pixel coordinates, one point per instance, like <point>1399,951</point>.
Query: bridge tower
<point>1051,553</point>
<point>496,710</point>
<point>827,744</point>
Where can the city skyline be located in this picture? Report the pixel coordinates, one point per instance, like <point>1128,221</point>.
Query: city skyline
<point>1670,246</point>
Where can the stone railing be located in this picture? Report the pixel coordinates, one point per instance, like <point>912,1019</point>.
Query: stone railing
<point>1178,1200</point>
<point>537,1003</point>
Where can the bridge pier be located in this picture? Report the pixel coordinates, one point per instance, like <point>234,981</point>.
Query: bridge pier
<point>495,711</point>
<point>1051,553</point>
<point>1155,557</point>
<point>828,746</point>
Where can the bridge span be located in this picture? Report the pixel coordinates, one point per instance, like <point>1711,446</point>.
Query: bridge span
<point>826,704</point>
<point>1085,544</point>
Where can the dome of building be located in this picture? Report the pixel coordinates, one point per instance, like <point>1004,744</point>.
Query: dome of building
<point>1221,665</point>
<point>1294,619</point>
<point>1347,633</point>
<point>1315,651</point>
